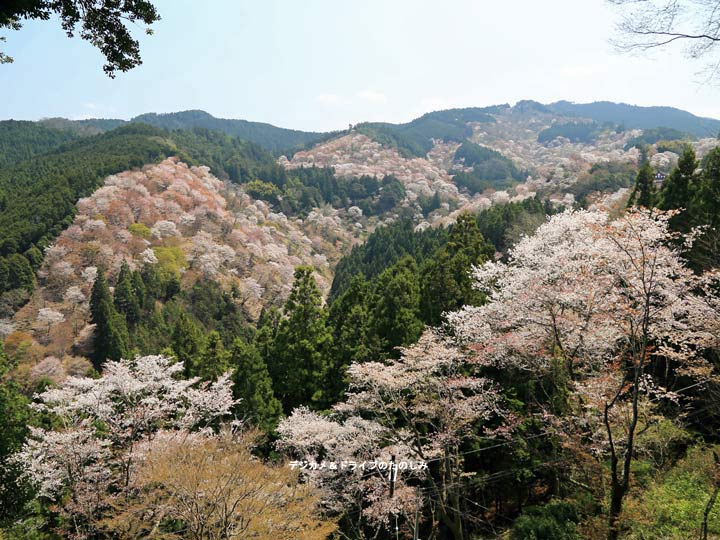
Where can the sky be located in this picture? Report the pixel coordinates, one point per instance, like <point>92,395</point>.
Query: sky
<point>321,64</point>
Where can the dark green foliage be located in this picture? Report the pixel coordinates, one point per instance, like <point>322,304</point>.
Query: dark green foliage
<point>298,360</point>
<point>576,132</point>
<point>34,257</point>
<point>266,135</point>
<point>415,138</point>
<point>384,247</point>
<point>632,116</point>
<point>20,140</point>
<point>102,23</point>
<point>645,193</point>
<point>490,169</point>
<point>446,278</point>
<point>353,338</point>
<point>228,157</point>
<point>395,306</point>
<point>41,192</point>
<point>603,177</point>
<point>187,344</point>
<point>554,521</point>
<point>214,360</point>
<point>16,272</point>
<point>653,135</point>
<point>495,222</point>
<point>704,210</point>
<point>298,191</point>
<point>253,387</point>
<point>126,298</point>
<point>216,309</point>
<point>15,415</point>
<point>677,189</point>
<point>111,333</point>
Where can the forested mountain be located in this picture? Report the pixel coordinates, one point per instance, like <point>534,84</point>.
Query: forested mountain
<point>266,135</point>
<point>505,299</point>
<point>20,140</point>
<point>633,116</point>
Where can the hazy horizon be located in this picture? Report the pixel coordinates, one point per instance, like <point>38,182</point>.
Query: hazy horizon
<point>322,65</point>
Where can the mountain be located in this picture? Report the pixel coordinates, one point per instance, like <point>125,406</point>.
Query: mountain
<point>633,116</point>
<point>266,135</point>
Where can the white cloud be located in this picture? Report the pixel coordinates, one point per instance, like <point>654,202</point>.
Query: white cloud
<point>372,96</point>
<point>331,100</point>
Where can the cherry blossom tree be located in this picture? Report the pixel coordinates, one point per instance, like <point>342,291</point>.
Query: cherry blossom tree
<point>420,408</point>
<point>90,458</point>
<point>74,296</point>
<point>48,317</point>
<point>608,300</point>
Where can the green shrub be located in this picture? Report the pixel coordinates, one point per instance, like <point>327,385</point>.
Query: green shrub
<point>553,521</point>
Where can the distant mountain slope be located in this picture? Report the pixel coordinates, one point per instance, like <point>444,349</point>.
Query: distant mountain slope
<point>266,135</point>
<point>83,128</point>
<point>633,116</point>
<point>20,140</point>
<point>414,139</point>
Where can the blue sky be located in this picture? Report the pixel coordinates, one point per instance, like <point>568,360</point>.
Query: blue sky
<point>321,64</point>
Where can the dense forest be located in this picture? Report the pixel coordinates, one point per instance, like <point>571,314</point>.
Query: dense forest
<point>416,138</point>
<point>534,372</point>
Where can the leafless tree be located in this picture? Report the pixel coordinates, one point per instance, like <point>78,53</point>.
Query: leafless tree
<point>650,24</point>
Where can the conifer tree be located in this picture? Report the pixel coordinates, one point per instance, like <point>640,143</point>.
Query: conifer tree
<point>704,212</point>
<point>676,190</point>
<point>214,359</point>
<point>353,339</point>
<point>266,331</point>
<point>153,286</point>
<point>187,344</point>
<point>20,273</point>
<point>14,417</point>
<point>395,313</point>
<point>446,278</point>
<point>111,334</point>
<point>299,359</point>
<point>644,194</point>
<point>253,387</point>
<point>126,300</point>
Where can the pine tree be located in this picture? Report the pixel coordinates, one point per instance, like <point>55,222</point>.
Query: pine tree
<point>253,387</point>
<point>111,335</point>
<point>14,418</point>
<point>187,344</point>
<point>214,359</point>
<point>704,212</point>
<point>353,339</point>
<point>446,277</point>
<point>126,300</point>
<point>677,190</point>
<point>395,311</point>
<point>299,359</point>
<point>153,286</point>
<point>644,194</point>
<point>20,273</point>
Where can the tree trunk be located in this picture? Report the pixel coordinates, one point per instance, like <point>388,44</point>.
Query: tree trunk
<point>706,513</point>
<point>713,498</point>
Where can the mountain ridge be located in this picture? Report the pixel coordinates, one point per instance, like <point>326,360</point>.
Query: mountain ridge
<point>413,137</point>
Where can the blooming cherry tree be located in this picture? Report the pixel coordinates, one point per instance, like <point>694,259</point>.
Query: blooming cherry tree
<point>604,299</point>
<point>104,422</point>
<point>419,408</point>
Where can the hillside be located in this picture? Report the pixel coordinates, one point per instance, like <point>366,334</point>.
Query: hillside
<point>267,136</point>
<point>459,291</point>
<point>635,117</point>
<point>185,223</point>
